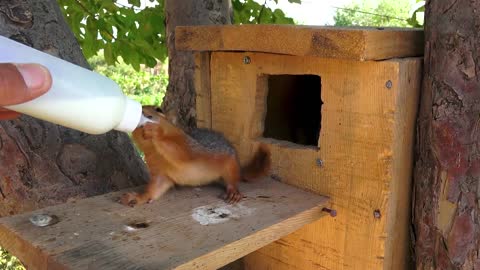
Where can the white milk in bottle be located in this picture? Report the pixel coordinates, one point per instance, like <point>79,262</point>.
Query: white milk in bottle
<point>79,98</point>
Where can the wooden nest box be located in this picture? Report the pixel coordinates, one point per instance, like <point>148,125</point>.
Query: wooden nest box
<point>337,107</point>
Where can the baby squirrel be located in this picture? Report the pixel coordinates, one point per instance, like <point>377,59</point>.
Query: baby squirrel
<point>190,158</point>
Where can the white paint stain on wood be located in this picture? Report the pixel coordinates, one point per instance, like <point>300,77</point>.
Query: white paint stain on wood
<point>208,214</point>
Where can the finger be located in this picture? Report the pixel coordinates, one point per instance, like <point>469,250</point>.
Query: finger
<point>36,77</point>
<point>23,82</point>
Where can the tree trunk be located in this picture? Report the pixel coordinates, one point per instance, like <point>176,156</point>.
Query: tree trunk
<point>41,163</point>
<point>446,189</point>
<point>180,94</point>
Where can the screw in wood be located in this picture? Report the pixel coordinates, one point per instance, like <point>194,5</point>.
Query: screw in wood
<point>332,212</point>
<point>42,220</point>
<point>246,60</point>
<point>377,214</point>
<point>389,84</point>
<point>319,162</point>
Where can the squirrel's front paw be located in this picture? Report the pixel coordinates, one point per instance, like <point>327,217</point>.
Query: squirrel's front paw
<point>130,199</point>
<point>232,195</point>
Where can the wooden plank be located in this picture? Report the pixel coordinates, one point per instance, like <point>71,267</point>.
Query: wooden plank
<point>365,145</point>
<point>357,43</point>
<point>91,233</point>
<point>202,90</point>
<point>397,246</point>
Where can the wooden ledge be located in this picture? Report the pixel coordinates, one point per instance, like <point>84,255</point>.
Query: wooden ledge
<point>356,43</point>
<point>99,233</point>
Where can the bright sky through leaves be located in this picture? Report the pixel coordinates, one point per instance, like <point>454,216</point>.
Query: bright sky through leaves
<point>310,12</point>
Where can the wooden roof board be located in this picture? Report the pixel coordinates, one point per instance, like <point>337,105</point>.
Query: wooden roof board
<point>356,43</point>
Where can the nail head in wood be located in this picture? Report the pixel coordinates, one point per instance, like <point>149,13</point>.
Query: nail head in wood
<point>389,84</point>
<point>319,162</point>
<point>332,212</point>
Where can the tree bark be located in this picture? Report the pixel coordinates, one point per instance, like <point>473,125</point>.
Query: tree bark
<point>447,173</point>
<point>180,96</point>
<point>43,164</point>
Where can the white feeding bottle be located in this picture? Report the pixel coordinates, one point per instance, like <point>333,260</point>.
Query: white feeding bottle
<point>79,98</point>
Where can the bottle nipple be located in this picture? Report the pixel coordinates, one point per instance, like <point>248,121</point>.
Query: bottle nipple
<point>144,120</point>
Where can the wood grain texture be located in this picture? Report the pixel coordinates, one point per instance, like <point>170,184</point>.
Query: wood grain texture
<point>202,90</point>
<point>91,234</point>
<point>365,144</point>
<point>357,43</point>
<point>407,98</point>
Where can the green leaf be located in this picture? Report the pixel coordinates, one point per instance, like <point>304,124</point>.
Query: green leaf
<point>88,45</point>
<point>134,2</point>
<point>138,36</point>
<point>143,44</point>
<point>108,54</point>
<point>108,5</point>
<point>151,62</point>
<point>244,11</point>
<point>160,52</point>
<point>92,26</point>
<point>266,16</point>
<point>280,18</point>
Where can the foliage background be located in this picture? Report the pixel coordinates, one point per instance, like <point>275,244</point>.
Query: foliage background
<point>147,85</point>
<point>9,262</point>
<point>382,13</point>
<point>136,33</point>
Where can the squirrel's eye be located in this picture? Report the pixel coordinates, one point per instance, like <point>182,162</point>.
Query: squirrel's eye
<point>158,110</point>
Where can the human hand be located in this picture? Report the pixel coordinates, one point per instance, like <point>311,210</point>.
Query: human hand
<point>21,83</point>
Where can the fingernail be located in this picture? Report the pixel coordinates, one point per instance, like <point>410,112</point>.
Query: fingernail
<point>34,75</point>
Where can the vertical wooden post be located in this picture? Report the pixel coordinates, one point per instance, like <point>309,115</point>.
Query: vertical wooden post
<point>202,88</point>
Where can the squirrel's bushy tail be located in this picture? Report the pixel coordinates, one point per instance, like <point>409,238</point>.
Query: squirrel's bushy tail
<point>258,166</point>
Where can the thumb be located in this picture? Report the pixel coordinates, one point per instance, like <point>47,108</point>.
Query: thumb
<point>23,82</point>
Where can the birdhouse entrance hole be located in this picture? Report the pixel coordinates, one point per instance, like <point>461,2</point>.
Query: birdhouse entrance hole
<point>293,109</point>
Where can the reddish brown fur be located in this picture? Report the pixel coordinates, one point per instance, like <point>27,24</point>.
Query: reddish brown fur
<point>172,159</point>
<point>258,166</point>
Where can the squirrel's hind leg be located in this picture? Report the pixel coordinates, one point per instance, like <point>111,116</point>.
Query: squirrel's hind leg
<point>232,177</point>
